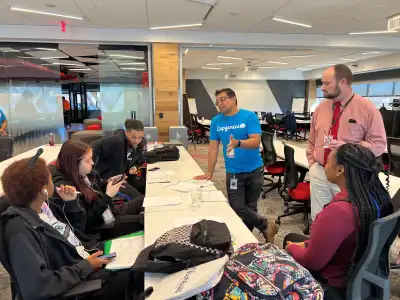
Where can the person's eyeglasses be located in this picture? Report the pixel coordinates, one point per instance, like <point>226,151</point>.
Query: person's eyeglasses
<point>221,100</point>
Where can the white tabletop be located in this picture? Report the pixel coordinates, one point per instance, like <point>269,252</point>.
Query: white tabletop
<point>159,220</point>
<point>49,154</point>
<point>301,160</point>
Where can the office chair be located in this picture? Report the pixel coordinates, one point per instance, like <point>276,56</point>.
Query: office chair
<point>295,190</point>
<point>393,148</point>
<point>371,276</point>
<point>6,146</point>
<point>272,167</point>
<point>77,291</point>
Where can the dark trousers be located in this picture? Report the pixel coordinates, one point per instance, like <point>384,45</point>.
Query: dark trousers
<point>138,183</point>
<point>331,293</point>
<point>244,199</point>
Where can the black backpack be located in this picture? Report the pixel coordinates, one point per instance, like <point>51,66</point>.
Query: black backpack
<point>166,153</point>
<point>185,247</point>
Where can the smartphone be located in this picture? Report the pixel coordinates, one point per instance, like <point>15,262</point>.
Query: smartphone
<point>121,177</point>
<point>108,256</point>
<point>154,169</point>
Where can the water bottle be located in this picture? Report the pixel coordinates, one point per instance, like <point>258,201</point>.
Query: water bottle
<point>52,139</point>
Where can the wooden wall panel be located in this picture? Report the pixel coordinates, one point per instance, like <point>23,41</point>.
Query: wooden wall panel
<point>166,87</point>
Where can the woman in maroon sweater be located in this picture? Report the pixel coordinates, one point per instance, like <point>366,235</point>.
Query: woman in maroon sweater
<point>333,249</point>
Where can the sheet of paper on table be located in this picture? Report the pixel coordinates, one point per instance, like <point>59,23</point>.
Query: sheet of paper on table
<point>190,282</point>
<point>158,177</point>
<point>161,201</point>
<point>190,185</point>
<point>212,196</point>
<point>187,221</point>
<point>127,250</point>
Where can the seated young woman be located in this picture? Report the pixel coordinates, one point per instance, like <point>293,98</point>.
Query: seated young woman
<point>45,256</point>
<point>339,234</point>
<point>74,167</point>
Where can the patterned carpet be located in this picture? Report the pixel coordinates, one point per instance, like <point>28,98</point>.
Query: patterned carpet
<point>269,207</point>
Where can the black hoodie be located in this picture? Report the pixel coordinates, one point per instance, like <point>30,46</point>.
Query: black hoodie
<point>45,265</point>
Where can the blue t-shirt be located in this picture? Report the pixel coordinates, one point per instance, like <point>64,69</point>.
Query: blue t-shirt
<point>2,117</point>
<point>240,126</point>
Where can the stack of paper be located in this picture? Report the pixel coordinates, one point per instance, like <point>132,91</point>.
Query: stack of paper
<point>158,177</point>
<point>161,201</point>
<point>127,249</point>
<point>190,185</point>
<point>212,196</point>
<point>190,282</point>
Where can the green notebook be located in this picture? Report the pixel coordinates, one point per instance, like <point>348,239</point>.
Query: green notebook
<point>107,245</point>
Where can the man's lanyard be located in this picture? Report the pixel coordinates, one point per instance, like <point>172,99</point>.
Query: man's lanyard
<point>341,112</point>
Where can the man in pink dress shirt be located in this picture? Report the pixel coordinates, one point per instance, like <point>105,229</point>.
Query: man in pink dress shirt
<point>343,117</point>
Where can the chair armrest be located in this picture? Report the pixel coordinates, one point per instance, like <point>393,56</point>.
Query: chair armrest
<point>83,288</point>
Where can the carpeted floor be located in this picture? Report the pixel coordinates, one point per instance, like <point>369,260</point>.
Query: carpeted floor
<point>269,207</point>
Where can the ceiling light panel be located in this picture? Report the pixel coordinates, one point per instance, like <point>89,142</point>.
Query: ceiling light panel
<point>211,68</point>
<point>230,57</point>
<point>291,22</point>
<point>299,56</point>
<point>373,32</point>
<point>176,26</point>
<point>217,64</point>
<point>41,12</point>
<point>277,62</point>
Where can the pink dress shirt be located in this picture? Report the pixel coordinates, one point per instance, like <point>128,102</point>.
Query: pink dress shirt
<point>361,122</point>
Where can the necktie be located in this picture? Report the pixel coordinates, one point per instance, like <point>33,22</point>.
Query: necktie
<point>334,128</point>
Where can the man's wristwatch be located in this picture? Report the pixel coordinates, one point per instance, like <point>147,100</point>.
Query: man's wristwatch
<point>239,143</point>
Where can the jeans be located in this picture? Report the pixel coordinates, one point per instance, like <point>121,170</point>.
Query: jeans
<point>322,191</point>
<point>243,200</point>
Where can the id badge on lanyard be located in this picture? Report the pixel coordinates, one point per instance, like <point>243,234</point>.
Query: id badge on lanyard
<point>108,216</point>
<point>233,183</point>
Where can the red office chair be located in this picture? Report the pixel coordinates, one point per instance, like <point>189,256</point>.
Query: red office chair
<point>272,167</point>
<point>295,190</point>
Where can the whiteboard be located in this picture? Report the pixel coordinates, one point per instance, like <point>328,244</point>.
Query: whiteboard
<point>298,105</point>
<point>192,106</point>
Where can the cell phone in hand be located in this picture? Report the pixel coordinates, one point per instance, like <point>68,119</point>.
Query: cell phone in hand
<point>154,169</point>
<point>108,256</point>
<point>121,177</point>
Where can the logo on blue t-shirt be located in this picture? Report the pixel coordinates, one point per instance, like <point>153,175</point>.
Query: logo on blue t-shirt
<point>240,126</point>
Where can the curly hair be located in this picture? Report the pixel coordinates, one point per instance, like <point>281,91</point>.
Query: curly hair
<point>22,184</point>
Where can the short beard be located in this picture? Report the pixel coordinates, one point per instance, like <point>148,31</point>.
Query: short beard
<point>334,95</point>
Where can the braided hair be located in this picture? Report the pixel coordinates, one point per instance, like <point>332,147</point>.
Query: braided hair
<point>368,196</point>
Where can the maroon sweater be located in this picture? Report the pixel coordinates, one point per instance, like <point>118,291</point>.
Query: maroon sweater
<point>332,242</point>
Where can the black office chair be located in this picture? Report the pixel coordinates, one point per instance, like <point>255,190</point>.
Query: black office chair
<point>393,148</point>
<point>76,292</point>
<point>295,190</point>
<point>272,167</point>
<point>6,147</point>
<point>371,276</point>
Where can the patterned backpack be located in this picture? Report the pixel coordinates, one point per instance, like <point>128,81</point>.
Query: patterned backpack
<point>258,271</point>
<point>184,247</point>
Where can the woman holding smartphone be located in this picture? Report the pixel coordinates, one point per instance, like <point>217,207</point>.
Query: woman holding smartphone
<point>96,207</point>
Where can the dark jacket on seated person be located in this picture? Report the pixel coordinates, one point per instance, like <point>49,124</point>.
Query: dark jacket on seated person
<point>51,266</point>
<point>114,156</point>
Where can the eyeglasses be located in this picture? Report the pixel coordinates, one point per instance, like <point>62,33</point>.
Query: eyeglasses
<point>221,99</point>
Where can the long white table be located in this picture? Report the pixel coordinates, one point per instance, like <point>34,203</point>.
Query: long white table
<point>158,220</point>
<point>301,160</point>
<point>49,154</point>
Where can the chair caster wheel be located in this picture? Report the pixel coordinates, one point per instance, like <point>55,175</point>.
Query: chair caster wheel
<point>306,231</point>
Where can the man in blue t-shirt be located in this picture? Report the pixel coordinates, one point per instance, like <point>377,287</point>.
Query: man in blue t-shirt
<point>3,122</point>
<point>239,131</point>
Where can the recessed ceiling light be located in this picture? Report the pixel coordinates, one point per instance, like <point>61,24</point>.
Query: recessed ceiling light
<point>216,64</point>
<point>44,13</point>
<point>230,57</point>
<point>54,57</point>
<point>371,52</point>
<point>186,51</point>
<point>177,26</point>
<point>230,50</point>
<point>132,64</point>
<point>67,64</point>
<point>125,56</point>
<point>291,22</point>
<point>348,59</point>
<point>267,67</point>
<point>299,56</point>
<point>210,68</point>
<point>136,69</point>
<point>25,57</point>
<point>85,69</point>
<point>46,49</point>
<point>373,32</point>
<point>278,62</point>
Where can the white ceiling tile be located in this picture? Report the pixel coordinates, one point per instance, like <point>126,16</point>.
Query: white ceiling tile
<point>8,17</point>
<point>239,15</point>
<point>175,12</point>
<point>79,50</point>
<point>115,13</point>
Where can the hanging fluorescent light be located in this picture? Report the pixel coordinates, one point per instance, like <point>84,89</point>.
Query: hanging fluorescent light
<point>44,13</point>
<point>177,26</point>
<point>278,62</point>
<point>231,50</point>
<point>291,22</point>
<point>230,57</point>
<point>372,32</point>
<point>210,68</point>
<point>186,51</point>
<point>132,64</point>
<point>371,52</point>
<point>46,49</point>
<point>299,56</point>
<point>136,69</point>
<point>348,59</point>
<point>216,64</point>
<point>125,56</point>
<point>303,69</point>
<point>267,67</point>
<point>53,57</point>
<point>84,69</point>
<point>67,64</point>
